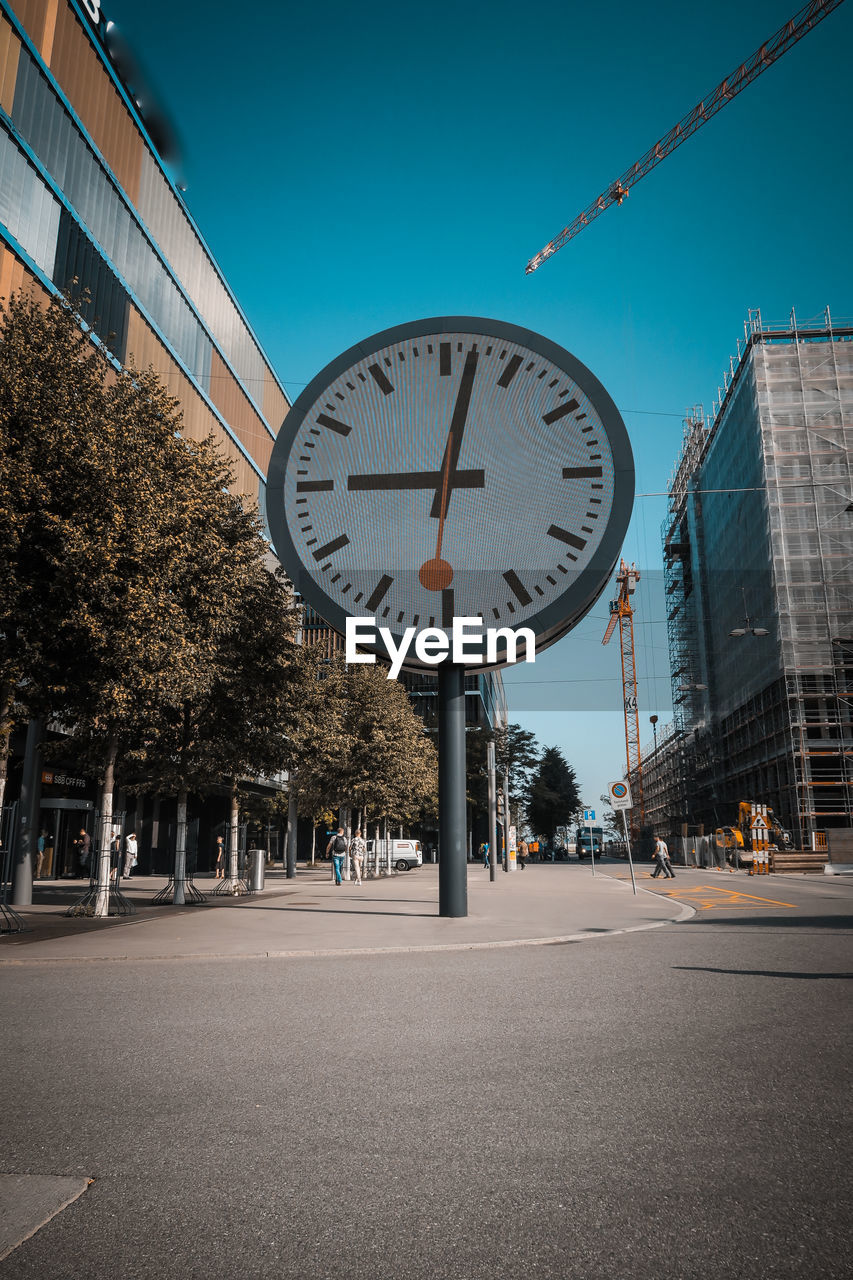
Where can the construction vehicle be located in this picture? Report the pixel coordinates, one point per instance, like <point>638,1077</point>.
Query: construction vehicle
<point>756,827</point>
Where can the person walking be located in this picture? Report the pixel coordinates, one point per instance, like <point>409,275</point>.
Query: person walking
<point>115,853</point>
<point>219,858</point>
<point>130,850</point>
<point>337,847</point>
<point>484,850</point>
<point>662,862</point>
<point>357,850</point>
<point>84,849</point>
<point>522,853</point>
<point>41,845</point>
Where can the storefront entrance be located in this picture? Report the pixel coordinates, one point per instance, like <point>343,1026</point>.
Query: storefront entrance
<point>60,824</point>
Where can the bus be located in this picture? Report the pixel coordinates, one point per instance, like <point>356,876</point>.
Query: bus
<point>584,836</point>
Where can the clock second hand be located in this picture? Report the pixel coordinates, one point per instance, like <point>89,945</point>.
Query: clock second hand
<point>437,574</point>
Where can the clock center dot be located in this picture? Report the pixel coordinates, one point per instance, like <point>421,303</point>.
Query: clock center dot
<point>435,575</point>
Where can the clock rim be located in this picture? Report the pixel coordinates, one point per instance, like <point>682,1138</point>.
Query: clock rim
<point>553,621</point>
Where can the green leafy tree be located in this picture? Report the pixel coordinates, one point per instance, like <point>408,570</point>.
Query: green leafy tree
<point>361,745</point>
<point>228,722</point>
<point>552,795</point>
<point>52,381</point>
<point>517,752</point>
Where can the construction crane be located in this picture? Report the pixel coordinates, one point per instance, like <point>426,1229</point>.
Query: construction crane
<point>765,55</point>
<point>622,611</point>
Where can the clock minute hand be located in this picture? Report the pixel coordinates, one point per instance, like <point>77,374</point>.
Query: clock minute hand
<point>417,480</point>
<point>454,438</point>
<point>437,574</point>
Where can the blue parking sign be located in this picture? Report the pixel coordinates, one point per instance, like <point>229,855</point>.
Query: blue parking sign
<point>589,815</point>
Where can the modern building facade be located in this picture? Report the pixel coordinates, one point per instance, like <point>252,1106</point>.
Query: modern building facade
<point>89,206</point>
<point>758,558</point>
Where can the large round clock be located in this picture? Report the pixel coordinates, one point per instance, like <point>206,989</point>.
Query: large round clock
<point>452,467</point>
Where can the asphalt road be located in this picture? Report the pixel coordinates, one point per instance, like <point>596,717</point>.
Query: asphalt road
<point>664,1104</point>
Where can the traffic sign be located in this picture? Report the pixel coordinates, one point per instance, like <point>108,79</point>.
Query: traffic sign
<point>620,795</point>
<point>589,815</point>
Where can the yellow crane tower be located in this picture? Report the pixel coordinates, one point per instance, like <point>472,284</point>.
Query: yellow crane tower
<point>621,611</point>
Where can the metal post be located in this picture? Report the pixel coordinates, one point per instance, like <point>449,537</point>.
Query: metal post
<point>291,832</point>
<point>628,842</point>
<point>452,868</point>
<point>591,845</point>
<point>506,819</point>
<point>493,808</point>
<point>28,817</point>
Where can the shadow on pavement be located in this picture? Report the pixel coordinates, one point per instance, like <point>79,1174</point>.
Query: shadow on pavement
<point>777,921</point>
<point>758,973</point>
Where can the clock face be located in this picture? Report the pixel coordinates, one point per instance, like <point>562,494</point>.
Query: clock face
<point>452,467</point>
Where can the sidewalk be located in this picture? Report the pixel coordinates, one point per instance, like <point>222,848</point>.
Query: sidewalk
<point>310,916</point>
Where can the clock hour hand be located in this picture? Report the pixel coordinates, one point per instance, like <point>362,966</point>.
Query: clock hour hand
<point>417,480</point>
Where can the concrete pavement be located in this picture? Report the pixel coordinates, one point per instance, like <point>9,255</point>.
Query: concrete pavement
<point>310,915</point>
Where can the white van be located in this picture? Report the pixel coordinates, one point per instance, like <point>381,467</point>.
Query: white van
<point>402,854</point>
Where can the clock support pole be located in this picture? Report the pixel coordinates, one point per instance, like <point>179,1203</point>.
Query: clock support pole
<point>452,826</point>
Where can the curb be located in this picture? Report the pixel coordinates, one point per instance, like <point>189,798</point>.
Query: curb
<point>686,913</point>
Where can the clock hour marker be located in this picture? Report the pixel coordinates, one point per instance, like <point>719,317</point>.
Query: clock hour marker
<point>330,547</point>
<point>341,427</point>
<point>514,583</point>
<point>561,410</point>
<point>571,539</point>
<point>314,486</point>
<point>581,473</point>
<point>379,593</point>
<point>444,359</point>
<point>378,376</point>
<point>510,371</point>
<point>447,608</point>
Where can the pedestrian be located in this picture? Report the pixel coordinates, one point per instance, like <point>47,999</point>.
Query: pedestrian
<point>219,858</point>
<point>41,845</point>
<point>522,852</point>
<point>662,861</point>
<point>130,851</point>
<point>84,849</point>
<point>484,850</point>
<point>357,850</point>
<point>115,853</point>
<point>337,847</point>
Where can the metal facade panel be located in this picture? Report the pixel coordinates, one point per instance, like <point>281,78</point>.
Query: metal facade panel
<point>10,49</point>
<point>82,77</point>
<point>232,403</point>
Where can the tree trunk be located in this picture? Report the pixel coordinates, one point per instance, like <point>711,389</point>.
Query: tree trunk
<point>102,898</point>
<point>313,840</point>
<point>234,838</point>
<point>7,700</point>
<point>181,851</point>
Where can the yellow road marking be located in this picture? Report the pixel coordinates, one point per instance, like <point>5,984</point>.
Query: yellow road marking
<point>729,898</point>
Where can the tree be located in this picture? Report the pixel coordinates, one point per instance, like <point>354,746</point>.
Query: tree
<point>552,795</point>
<point>517,752</point>
<point>52,381</point>
<point>135,597</point>
<point>361,744</point>
<point>229,721</point>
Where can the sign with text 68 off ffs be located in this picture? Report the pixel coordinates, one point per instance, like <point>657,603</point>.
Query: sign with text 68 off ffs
<point>620,795</point>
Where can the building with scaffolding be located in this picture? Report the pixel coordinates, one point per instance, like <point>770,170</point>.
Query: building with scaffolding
<point>758,563</point>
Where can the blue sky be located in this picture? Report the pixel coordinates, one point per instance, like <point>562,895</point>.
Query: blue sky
<point>353,167</point>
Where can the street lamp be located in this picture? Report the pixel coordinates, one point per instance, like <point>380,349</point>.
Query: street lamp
<point>749,629</point>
